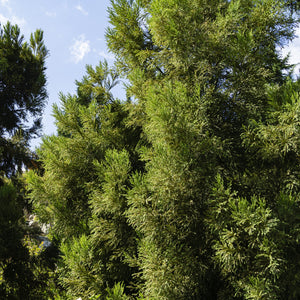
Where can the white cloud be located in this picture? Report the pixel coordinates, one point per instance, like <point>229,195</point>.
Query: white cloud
<point>106,55</point>
<point>51,14</point>
<point>3,19</point>
<point>81,9</point>
<point>9,16</point>
<point>80,48</point>
<point>4,3</point>
<point>294,49</point>
<point>13,20</point>
<point>19,21</point>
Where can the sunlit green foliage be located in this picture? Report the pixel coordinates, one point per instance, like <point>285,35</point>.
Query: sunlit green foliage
<point>190,190</point>
<point>82,191</point>
<point>200,71</point>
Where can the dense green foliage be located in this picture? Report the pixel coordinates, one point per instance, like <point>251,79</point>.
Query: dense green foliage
<point>82,193</point>
<point>22,95</point>
<point>25,267</point>
<point>190,188</point>
<point>24,272</point>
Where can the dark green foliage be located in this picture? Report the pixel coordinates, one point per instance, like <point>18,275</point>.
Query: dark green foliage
<point>22,99</point>
<point>22,95</point>
<point>112,236</point>
<point>23,275</point>
<point>22,79</point>
<point>13,255</point>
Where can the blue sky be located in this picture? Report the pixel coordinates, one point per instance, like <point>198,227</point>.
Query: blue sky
<point>74,32</point>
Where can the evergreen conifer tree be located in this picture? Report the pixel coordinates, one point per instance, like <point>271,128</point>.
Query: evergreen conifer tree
<point>22,98</point>
<point>190,191</point>
<point>200,71</point>
<point>82,191</point>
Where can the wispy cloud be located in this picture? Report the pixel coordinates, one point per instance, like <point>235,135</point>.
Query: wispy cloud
<point>13,19</point>
<point>106,55</point>
<point>4,3</point>
<point>80,48</point>
<point>3,19</point>
<point>9,16</point>
<point>81,9</point>
<point>294,50</point>
<point>51,14</point>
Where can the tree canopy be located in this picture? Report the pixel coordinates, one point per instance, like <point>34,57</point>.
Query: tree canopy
<point>22,94</point>
<point>22,99</point>
<point>189,188</point>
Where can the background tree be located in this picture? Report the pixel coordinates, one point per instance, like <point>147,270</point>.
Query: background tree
<point>22,98</point>
<point>22,94</point>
